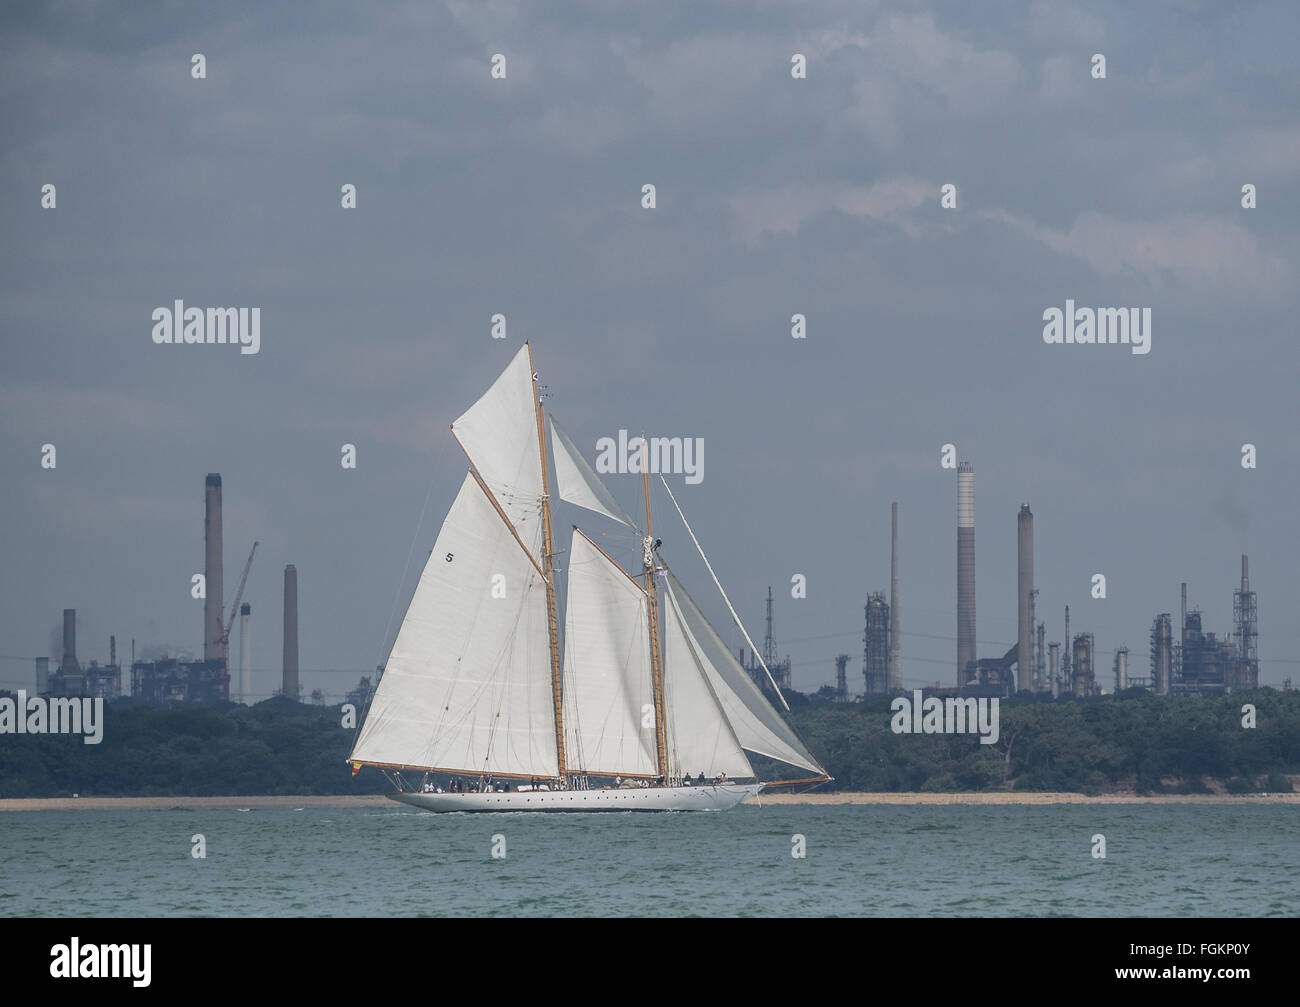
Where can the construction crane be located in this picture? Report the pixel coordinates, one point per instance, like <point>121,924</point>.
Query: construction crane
<point>239,593</point>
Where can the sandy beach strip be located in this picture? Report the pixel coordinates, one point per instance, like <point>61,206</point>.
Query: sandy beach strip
<point>1011,797</point>
<point>772,798</point>
<point>166,803</point>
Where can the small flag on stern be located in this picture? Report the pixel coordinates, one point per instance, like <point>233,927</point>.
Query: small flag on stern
<point>356,768</point>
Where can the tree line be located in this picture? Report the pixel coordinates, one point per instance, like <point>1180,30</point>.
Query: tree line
<point>1134,741</point>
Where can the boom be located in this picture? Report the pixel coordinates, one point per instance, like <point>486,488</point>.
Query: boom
<point>239,593</point>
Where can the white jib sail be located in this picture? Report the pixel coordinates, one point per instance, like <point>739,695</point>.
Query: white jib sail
<point>759,728</point>
<point>466,686</point>
<point>578,484</point>
<point>499,434</point>
<point>700,740</point>
<point>607,688</point>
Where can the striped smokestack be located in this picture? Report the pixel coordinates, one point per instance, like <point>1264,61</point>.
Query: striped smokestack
<point>965,570</point>
<point>1025,590</point>
<point>895,619</point>
<point>289,685</point>
<point>213,648</point>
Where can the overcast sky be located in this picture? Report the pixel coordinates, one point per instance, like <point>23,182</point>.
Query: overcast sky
<point>775,196</point>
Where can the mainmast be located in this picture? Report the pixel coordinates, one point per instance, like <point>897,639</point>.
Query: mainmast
<point>547,551</point>
<point>656,658</point>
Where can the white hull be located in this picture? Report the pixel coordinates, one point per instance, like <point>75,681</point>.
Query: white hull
<point>708,797</point>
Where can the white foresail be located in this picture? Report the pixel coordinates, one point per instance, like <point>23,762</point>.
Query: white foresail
<point>578,484</point>
<point>758,727</point>
<point>465,686</point>
<point>700,740</point>
<point>499,434</point>
<point>606,667</point>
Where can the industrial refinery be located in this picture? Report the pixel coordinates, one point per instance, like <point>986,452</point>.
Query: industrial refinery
<point>173,681</point>
<point>1185,658</point>
<point>1194,662</point>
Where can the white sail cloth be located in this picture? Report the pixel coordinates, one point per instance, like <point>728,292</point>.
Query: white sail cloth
<point>700,739</point>
<point>499,434</point>
<point>465,687</point>
<point>757,726</point>
<point>578,484</point>
<point>607,684</point>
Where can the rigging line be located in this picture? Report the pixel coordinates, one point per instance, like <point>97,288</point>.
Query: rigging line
<point>407,568</point>
<point>732,609</point>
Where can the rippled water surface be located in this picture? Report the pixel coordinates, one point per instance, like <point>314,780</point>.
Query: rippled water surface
<point>1161,860</point>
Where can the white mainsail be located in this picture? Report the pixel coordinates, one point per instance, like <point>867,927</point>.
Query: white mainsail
<point>607,684</point>
<point>758,727</point>
<point>700,739</point>
<point>578,484</point>
<point>465,687</point>
<point>499,434</point>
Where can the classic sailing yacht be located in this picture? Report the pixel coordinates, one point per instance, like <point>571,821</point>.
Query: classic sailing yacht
<point>647,692</point>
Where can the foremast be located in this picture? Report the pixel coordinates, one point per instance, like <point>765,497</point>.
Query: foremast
<point>652,601</point>
<point>548,550</point>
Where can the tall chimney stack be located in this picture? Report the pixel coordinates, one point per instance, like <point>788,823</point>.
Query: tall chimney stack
<point>965,570</point>
<point>1182,629</point>
<point>213,648</point>
<point>1025,588</point>
<point>289,685</point>
<point>895,617</point>
<point>245,656</point>
<point>70,664</point>
<point>1065,654</point>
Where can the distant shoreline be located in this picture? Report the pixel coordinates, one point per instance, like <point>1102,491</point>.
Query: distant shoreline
<point>1020,797</point>
<point>775,797</point>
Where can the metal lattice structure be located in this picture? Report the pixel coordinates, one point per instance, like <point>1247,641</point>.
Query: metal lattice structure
<point>1246,618</point>
<point>875,645</point>
<point>841,677</point>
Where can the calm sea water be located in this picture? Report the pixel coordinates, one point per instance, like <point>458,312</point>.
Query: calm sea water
<point>1162,860</point>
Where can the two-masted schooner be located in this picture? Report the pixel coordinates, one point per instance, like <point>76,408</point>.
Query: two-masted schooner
<point>648,710</point>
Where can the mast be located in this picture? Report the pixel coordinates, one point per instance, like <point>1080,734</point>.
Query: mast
<point>547,551</point>
<point>656,659</point>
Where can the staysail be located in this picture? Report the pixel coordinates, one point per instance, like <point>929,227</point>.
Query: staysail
<point>700,738</point>
<point>461,690</point>
<point>578,484</point>
<point>758,727</point>
<point>607,686</point>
